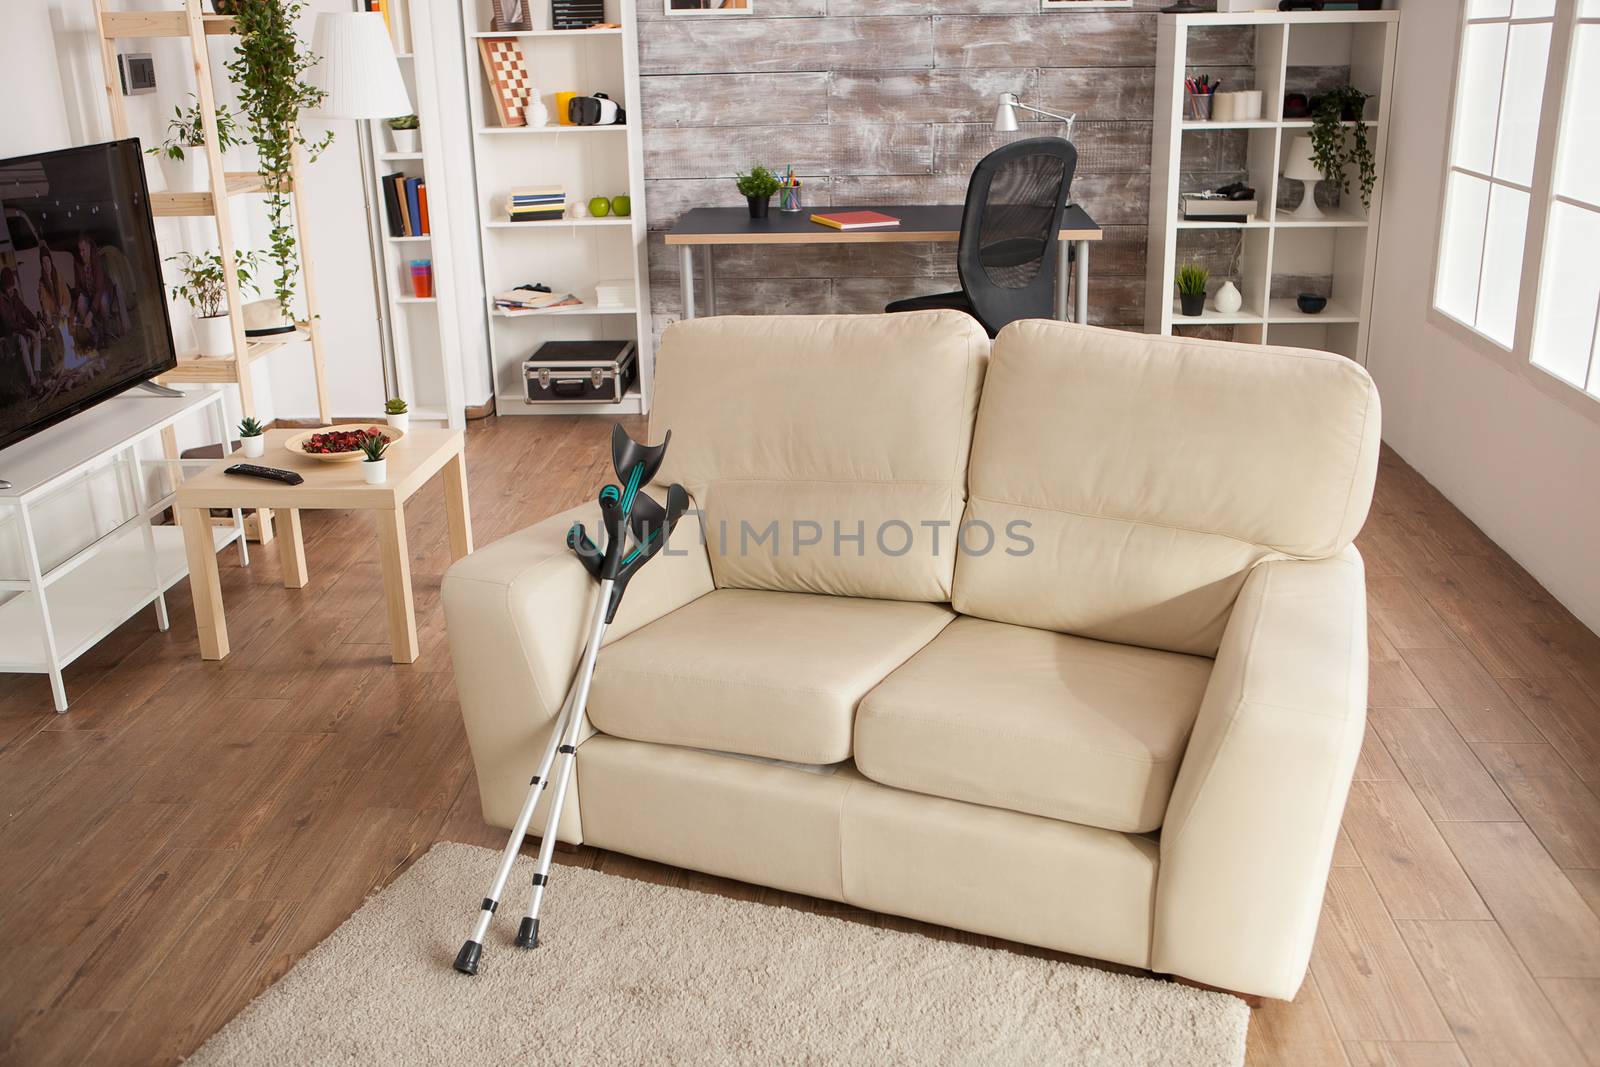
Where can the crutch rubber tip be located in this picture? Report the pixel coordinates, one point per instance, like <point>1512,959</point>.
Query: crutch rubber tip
<point>528,933</point>
<point>467,958</point>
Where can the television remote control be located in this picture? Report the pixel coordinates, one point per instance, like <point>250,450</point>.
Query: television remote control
<point>251,470</point>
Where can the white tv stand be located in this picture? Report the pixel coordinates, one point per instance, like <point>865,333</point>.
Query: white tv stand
<point>58,611</point>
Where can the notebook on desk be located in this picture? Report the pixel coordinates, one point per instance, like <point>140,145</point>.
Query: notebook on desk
<point>854,220</point>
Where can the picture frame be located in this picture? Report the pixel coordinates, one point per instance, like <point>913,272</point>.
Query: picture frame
<point>1084,5</point>
<point>705,8</point>
<point>512,16</point>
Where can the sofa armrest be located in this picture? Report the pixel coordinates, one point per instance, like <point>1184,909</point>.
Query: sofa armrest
<point>515,615</point>
<point>1250,829</point>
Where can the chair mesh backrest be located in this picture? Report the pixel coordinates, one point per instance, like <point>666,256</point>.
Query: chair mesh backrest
<point>1014,235</point>
<point>1007,255</point>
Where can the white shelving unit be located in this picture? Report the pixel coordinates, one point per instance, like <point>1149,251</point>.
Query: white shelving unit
<point>1276,252</point>
<point>61,593</point>
<point>570,255</point>
<point>424,331</point>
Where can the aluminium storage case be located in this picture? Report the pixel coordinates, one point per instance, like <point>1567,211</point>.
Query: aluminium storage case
<point>581,372</point>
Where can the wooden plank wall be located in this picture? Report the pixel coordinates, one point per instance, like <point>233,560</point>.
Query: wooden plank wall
<point>891,101</point>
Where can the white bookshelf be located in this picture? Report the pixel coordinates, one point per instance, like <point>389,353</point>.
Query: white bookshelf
<point>427,349</point>
<point>569,255</point>
<point>1274,250</point>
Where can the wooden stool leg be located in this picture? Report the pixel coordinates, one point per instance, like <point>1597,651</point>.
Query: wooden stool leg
<point>394,556</point>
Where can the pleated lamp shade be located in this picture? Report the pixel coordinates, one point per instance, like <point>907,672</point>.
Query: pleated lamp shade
<point>358,69</point>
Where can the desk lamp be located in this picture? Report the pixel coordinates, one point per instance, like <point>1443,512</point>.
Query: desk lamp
<point>1005,116</point>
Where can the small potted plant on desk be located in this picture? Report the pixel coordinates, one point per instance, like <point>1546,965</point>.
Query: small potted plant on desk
<point>758,187</point>
<point>182,153</point>
<point>397,414</point>
<point>374,467</point>
<point>205,289</point>
<point>405,132</point>
<point>251,441</point>
<point>1192,278</point>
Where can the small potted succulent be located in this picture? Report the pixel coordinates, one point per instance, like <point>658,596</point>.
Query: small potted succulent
<point>374,467</point>
<point>405,133</point>
<point>1192,278</point>
<point>397,414</point>
<point>205,289</point>
<point>757,188</point>
<point>185,170</point>
<point>251,441</point>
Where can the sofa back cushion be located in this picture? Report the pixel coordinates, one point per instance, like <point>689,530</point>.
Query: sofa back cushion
<point>1150,474</point>
<point>818,448</point>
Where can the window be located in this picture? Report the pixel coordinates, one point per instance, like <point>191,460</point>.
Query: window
<point>1568,317</point>
<point>1521,214</point>
<point>1495,132</point>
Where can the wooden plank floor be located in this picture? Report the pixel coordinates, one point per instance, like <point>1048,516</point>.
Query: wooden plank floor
<point>188,830</point>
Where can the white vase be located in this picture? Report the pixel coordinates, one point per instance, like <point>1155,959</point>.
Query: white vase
<point>401,422</point>
<point>214,335</point>
<point>189,174</point>
<point>1227,299</point>
<point>375,472</point>
<point>254,447</point>
<point>405,140</point>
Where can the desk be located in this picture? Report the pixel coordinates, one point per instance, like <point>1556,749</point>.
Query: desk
<point>412,462</point>
<point>707,227</point>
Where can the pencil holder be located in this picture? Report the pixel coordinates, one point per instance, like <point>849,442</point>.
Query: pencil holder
<point>789,197</point>
<point>1200,106</point>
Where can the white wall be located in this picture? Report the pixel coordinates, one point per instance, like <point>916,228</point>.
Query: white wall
<point>1521,463</point>
<point>50,48</point>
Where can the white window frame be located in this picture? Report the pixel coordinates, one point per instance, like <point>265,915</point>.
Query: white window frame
<point>1517,356</point>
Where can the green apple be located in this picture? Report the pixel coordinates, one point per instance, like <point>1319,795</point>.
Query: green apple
<point>599,207</point>
<point>621,206</point>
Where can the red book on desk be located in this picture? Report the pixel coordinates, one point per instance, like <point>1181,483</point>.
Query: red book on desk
<point>855,220</point>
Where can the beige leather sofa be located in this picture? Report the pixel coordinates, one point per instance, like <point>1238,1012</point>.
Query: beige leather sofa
<point>1123,727</point>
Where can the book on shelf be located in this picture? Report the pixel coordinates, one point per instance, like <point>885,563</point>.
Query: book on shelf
<point>855,220</point>
<point>405,204</point>
<point>391,205</point>
<point>422,204</point>
<point>524,301</point>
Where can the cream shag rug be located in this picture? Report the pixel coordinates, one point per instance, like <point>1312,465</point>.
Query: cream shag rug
<point>629,972</point>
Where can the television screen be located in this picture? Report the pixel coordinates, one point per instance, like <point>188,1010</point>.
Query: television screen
<point>83,314</point>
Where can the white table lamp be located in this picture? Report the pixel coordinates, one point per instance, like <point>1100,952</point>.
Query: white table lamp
<point>1005,116</point>
<point>1302,167</point>
<point>357,68</point>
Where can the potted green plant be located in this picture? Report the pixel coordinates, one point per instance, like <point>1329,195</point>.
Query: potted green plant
<point>1336,146</point>
<point>268,71</point>
<point>397,414</point>
<point>1192,278</point>
<point>405,133</point>
<point>204,287</point>
<point>251,441</point>
<point>374,467</point>
<point>185,170</point>
<point>757,188</point>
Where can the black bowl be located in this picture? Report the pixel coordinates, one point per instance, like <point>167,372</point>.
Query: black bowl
<point>1311,303</point>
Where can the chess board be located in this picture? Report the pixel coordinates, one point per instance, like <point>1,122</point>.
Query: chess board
<point>509,83</point>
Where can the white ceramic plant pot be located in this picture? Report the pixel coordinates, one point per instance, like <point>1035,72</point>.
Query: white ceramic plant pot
<point>405,140</point>
<point>401,422</point>
<point>375,473</point>
<point>254,447</point>
<point>1227,299</point>
<point>188,175</point>
<point>214,335</point>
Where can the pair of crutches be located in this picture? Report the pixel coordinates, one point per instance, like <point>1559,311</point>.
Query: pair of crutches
<point>636,528</point>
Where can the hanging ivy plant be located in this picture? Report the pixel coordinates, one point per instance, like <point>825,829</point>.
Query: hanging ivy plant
<point>268,71</point>
<point>1334,146</point>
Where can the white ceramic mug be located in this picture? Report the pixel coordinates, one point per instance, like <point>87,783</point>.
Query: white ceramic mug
<point>1223,107</point>
<point>1249,105</point>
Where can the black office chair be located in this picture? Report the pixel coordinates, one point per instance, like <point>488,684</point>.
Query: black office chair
<point>1009,227</point>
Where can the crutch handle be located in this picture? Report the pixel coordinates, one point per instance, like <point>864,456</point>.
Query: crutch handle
<point>587,550</point>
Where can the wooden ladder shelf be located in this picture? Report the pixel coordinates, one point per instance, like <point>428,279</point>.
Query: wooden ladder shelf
<point>196,25</point>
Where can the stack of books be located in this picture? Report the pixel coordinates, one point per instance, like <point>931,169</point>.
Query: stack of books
<point>615,294</point>
<point>539,203</point>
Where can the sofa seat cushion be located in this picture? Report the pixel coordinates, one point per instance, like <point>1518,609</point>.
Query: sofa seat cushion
<point>1035,721</point>
<point>757,673</point>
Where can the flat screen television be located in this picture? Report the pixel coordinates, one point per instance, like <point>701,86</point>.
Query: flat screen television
<point>83,314</point>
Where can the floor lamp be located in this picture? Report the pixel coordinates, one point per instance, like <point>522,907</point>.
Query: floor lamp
<point>361,77</point>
